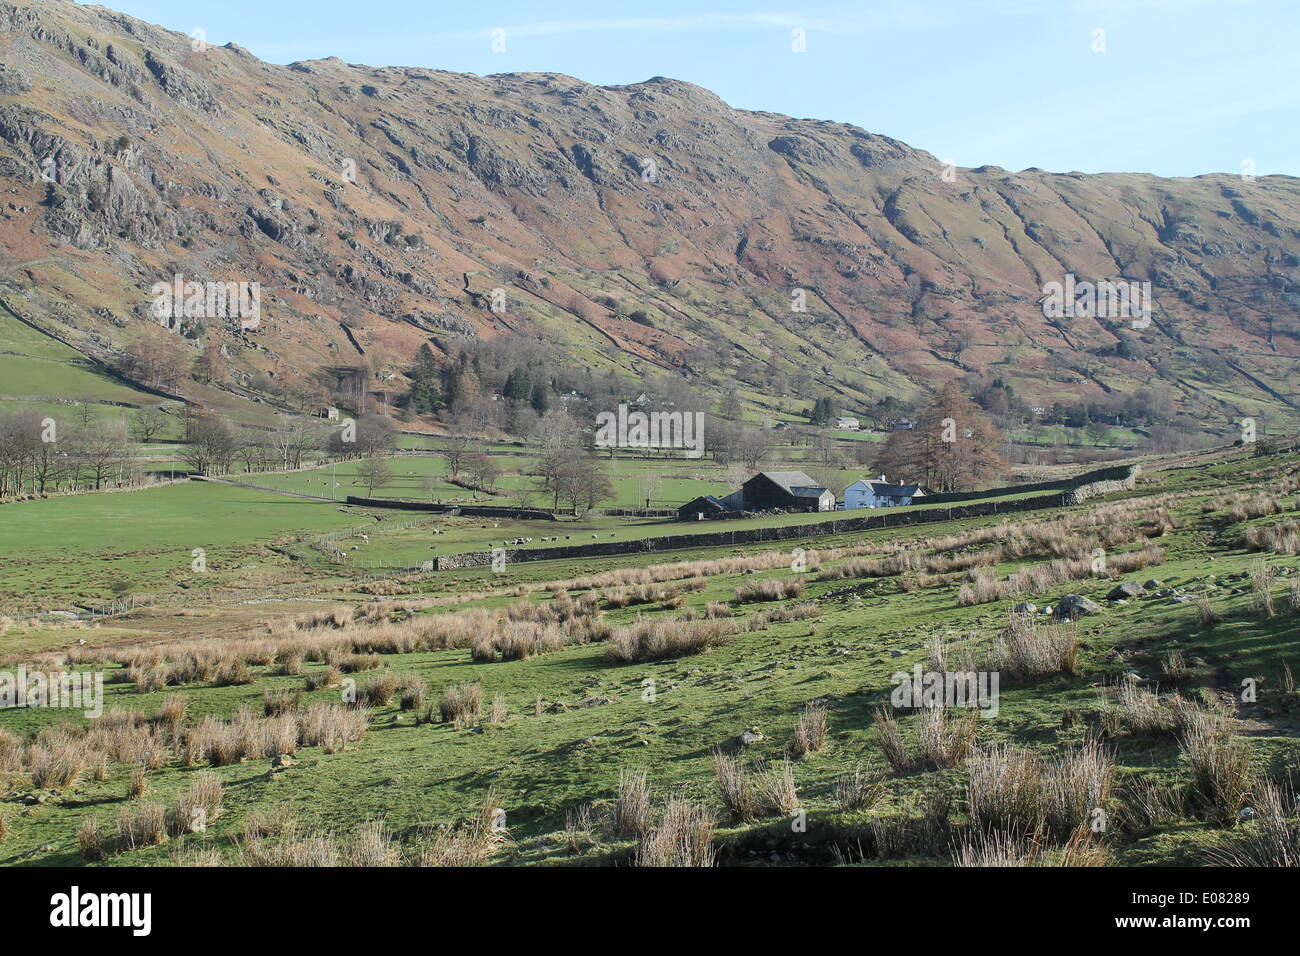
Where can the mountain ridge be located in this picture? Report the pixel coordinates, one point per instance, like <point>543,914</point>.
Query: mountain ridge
<point>395,200</point>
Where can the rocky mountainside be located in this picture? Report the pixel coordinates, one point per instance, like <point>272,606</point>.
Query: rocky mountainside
<point>643,226</point>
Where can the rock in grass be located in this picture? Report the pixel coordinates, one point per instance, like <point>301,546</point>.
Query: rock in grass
<point>1129,589</point>
<point>1074,606</point>
<point>1025,607</point>
<point>750,737</point>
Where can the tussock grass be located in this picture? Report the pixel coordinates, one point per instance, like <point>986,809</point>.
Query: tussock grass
<point>461,704</point>
<point>1174,665</point>
<point>141,824</point>
<point>307,850</point>
<point>941,741</point>
<point>809,730</point>
<point>1003,790</point>
<point>467,845</point>
<point>91,840</point>
<point>332,727</point>
<point>371,845</point>
<point>925,831</point>
<point>197,806</point>
<point>1146,805</point>
<point>1205,611</point>
<point>784,614</point>
<point>57,764</point>
<point>173,711</point>
<point>1023,651</point>
<point>858,789</point>
<point>282,701</point>
<point>578,828</point>
<point>516,641</point>
<point>632,813</point>
<point>1219,762</point>
<point>323,679</point>
<point>738,794</point>
<point>414,690</point>
<point>982,585</point>
<point>683,836</point>
<point>1272,839</point>
<point>1262,577</point>
<point>651,639</point>
<point>1132,708</point>
<point>776,788</point>
<point>138,784</point>
<point>1282,537</point>
<point>378,691</point>
<point>1002,849</point>
<point>770,590</point>
<point>1077,788</point>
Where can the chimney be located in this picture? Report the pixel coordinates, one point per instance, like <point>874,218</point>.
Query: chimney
<point>881,479</point>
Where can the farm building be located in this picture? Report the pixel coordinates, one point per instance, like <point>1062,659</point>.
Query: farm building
<point>848,424</point>
<point>880,494</point>
<point>701,509</point>
<point>766,491</point>
<point>788,490</point>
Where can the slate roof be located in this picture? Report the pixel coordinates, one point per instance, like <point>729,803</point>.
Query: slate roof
<point>790,480</point>
<point>886,490</point>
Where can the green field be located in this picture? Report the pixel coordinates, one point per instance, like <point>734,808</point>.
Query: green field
<point>37,366</point>
<point>75,547</point>
<point>676,481</point>
<point>574,720</point>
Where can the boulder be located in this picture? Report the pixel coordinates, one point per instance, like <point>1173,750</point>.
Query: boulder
<point>750,737</point>
<point>1074,606</point>
<point>1129,589</point>
<point>1025,607</point>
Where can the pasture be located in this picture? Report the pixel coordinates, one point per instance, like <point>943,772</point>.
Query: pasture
<point>561,722</point>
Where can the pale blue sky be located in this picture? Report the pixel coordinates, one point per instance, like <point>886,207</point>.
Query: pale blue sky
<point>1183,87</point>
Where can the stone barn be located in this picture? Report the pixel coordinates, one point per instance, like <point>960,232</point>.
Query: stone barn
<point>785,490</point>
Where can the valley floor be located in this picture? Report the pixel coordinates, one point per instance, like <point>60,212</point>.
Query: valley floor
<point>735,706</point>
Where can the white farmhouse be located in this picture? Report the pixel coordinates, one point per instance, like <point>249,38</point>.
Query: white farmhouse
<point>847,424</point>
<point>880,494</point>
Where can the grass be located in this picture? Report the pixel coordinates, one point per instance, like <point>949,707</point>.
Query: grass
<point>578,729</point>
<point>37,366</point>
<point>61,549</point>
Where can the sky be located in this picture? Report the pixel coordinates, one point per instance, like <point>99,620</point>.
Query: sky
<point>1172,87</point>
